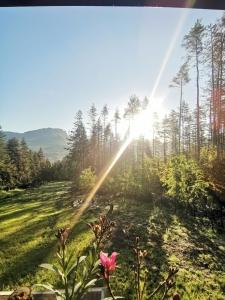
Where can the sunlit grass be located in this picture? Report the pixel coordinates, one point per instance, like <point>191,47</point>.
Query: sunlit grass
<point>172,238</point>
<point>29,220</point>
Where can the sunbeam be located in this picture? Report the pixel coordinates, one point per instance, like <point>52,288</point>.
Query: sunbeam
<point>138,123</point>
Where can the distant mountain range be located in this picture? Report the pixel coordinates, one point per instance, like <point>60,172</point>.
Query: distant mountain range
<point>52,141</point>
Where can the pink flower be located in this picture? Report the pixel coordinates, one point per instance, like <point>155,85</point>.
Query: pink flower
<point>108,263</point>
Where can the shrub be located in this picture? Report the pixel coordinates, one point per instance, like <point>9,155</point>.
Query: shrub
<point>87,180</point>
<point>184,179</point>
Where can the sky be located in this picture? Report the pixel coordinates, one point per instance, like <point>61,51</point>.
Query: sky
<point>57,60</point>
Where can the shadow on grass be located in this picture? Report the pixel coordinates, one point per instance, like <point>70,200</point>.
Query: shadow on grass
<point>23,250</point>
<point>26,265</point>
<point>19,213</point>
<point>149,221</point>
<point>206,252</point>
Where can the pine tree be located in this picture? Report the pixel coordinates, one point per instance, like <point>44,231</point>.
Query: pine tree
<point>104,115</point>
<point>117,118</point>
<point>100,145</point>
<point>25,164</point>
<point>93,137</point>
<point>179,81</point>
<point>7,169</point>
<point>13,150</point>
<point>193,43</point>
<point>78,147</point>
<point>132,109</point>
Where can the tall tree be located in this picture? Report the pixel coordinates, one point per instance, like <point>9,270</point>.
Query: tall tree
<point>13,150</point>
<point>7,169</point>
<point>78,147</point>
<point>93,136</point>
<point>179,81</point>
<point>193,43</point>
<point>104,114</point>
<point>25,167</point>
<point>117,118</point>
<point>132,109</point>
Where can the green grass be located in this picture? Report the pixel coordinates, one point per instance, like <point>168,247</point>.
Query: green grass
<point>172,238</point>
<point>28,221</point>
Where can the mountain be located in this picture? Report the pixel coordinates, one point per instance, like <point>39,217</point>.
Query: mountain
<point>51,140</point>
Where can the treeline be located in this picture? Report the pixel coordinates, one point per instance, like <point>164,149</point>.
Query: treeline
<point>189,130</point>
<point>185,158</point>
<point>94,144</point>
<point>197,134</point>
<point>22,167</point>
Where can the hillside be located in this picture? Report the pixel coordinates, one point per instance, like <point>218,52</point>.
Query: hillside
<point>51,140</point>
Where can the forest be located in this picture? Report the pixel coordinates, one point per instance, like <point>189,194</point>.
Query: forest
<point>176,175</point>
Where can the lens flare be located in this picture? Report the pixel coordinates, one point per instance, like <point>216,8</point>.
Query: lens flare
<point>100,181</point>
<point>139,122</point>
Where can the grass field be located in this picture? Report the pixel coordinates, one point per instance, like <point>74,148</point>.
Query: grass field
<point>28,221</point>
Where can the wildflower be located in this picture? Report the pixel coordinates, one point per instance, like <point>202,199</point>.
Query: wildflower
<point>108,263</point>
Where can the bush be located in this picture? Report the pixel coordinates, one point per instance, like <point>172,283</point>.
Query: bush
<point>87,180</point>
<point>184,180</point>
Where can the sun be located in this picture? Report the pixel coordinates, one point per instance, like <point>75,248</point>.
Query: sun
<point>143,123</point>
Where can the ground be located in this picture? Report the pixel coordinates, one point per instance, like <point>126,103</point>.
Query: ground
<point>28,221</point>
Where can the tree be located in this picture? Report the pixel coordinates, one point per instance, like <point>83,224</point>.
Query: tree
<point>93,137</point>
<point>78,147</point>
<point>7,169</point>
<point>133,108</point>
<point>25,164</point>
<point>13,150</point>
<point>2,145</point>
<point>117,118</point>
<point>179,81</point>
<point>105,113</point>
<point>87,180</point>
<point>193,43</point>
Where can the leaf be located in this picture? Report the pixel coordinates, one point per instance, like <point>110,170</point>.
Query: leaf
<point>95,267</point>
<point>77,286</point>
<point>90,283</point>
<point>84,271</point>
<point>53,269</point>
<point>75,264</point>
<point>97,263</point>
<point>116,297</point>
<point>81,258</point>
<point>48,267</point>
<point>59,255</point>
<point>70,257</point>
<point>49,287</point>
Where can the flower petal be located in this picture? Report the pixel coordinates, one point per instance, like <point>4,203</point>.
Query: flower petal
<point>104,258</point>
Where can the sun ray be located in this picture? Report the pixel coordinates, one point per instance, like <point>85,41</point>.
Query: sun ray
<point>132,134</point>
<point>100,181</point>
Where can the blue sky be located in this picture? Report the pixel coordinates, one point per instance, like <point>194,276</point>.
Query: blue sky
<point>56,60</point>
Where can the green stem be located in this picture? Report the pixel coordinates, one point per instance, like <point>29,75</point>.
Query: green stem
<point>109,289</point>
<point>65,278</point>
<point>138,275</point>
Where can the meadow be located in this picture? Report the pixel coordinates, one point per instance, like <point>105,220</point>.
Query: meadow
<point>29,219</point>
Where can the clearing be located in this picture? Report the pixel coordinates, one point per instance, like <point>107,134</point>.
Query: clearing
<point>29,219</point>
